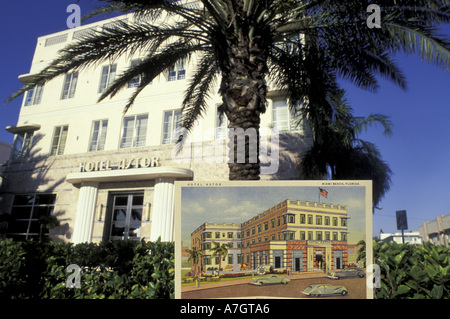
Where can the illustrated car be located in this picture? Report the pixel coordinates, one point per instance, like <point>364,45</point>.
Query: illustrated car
<point>270,280</point>
<point>349,272</point>
<point>318,290</point>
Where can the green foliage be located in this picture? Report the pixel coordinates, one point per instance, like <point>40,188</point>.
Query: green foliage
<point>109,270</point>
<point>413,272</point>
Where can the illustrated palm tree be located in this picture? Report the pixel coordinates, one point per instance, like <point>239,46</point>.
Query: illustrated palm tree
<point>250,44</point>
<point>338,152</point>
<point>221,251</point>
<point>361,252</point>
<point>195,256</point>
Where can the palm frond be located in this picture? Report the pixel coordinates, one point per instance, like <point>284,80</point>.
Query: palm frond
<point>374,119</point>
<point>195,102</point>
<point>152,66</point>
<point>423,42</point>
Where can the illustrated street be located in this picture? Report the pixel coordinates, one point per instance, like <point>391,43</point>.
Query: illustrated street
<point>243,289</point>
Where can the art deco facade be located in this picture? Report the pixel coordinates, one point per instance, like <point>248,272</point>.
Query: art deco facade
<point>436,231</point>
<point>107,175</point>
<point>294,235</point>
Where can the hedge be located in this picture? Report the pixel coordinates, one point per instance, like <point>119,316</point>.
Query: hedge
<point>412,272</point>
<point>113,270</point>
<point>145,270</point>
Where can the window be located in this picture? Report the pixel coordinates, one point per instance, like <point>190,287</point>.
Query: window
<point>59,140</point>
<point>310,219</point>
<point>126,216</point>
<point>171,127</point>
<point>335,221</point>
<point>335,236</point>
<point>318,235</point>
<point>34,95</point>
<point>327,220</point>
<point>288,235</point>
<point>108,76</point>
<point>136,81</point>
<point>302,235</point>
<point>344,222</point>
<point>178,71</point>
<point>22,145</point>
<point>291,218</point>
<point>134,131</point>
<point>70,85</point>
<point>27,213</point>
<point>98,135</point>
<point>283,118</point>
<point>302,219</point>
<point>318,220</point>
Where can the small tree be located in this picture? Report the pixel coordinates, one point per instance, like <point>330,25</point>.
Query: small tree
<point>195,256</point>
<point>361,252</point>
<point>221,251</point>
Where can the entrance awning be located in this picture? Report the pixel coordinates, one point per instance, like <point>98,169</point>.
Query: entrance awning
<point>126,175</point>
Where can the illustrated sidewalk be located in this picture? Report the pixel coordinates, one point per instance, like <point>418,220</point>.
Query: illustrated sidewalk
<point>295,276</point>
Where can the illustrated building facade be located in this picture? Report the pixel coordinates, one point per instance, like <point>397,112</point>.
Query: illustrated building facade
<point>106,175</point>
<point>293,235</point>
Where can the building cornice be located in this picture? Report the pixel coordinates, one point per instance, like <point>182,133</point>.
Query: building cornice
<point>130,175</point>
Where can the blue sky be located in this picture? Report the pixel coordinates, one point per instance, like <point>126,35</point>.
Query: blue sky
<point>418,152</point>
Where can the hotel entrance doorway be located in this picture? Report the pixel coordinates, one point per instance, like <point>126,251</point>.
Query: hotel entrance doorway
<point>320,260</point>
<point>297,257</point>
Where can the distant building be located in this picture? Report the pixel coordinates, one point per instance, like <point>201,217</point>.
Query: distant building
<point>412,237</point>
<point>436,231</point>
<point>208,235</point>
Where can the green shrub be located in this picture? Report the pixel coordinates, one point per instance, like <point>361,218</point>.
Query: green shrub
<point>413,272</point>
<point>11,262</point>
<point>115,270</point>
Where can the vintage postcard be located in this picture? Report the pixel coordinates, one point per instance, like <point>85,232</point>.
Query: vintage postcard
<point>273,239</point>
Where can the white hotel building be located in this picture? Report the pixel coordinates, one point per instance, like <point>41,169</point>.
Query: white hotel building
<point>108,175</point>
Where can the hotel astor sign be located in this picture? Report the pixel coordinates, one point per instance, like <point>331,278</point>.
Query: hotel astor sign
<point>105,165</point>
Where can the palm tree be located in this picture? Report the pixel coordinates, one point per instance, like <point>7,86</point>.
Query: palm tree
<point>221,251</point>
<point>339,153</point>
<point>249,43</point>
<point>361,252</point>
<point>194,256</point>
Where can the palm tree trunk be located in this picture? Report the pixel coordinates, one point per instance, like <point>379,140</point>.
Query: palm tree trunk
<point>243,89</point>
